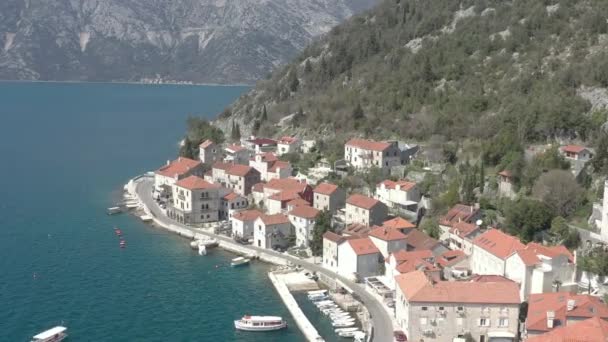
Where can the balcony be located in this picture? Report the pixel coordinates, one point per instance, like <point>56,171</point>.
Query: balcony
<point>181,197</point>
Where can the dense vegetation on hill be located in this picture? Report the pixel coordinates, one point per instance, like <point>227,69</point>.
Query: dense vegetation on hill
<point>507,71</point>
<point>478,81</point>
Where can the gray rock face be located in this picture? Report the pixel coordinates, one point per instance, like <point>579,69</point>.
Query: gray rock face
<point>202,41</point>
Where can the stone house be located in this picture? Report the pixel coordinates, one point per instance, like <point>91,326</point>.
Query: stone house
<point>209,152</point>
<point>364,154</point>
<point>359,258</point>
<point>175,170</point>
<point>329,197</point>
<point>303,219</point>
<point>243,223</point>
<point>288,145</point>
<point>194,201</point>
<point>272,231</point>
<point>365,210</point>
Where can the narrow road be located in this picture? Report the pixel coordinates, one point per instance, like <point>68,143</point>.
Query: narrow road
<point>381,321</point>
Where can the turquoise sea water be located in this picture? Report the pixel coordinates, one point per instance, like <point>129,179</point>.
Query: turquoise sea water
<point>65,152</point>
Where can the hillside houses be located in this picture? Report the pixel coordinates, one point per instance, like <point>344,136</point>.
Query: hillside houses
<point>400,195</point>
<point>329,197</point>
<point>173,171</point>
<point>270,167</point>
<point>364,210</point>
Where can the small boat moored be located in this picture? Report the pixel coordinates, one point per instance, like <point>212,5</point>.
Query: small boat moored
<point>55,334</point>
<point>260,323</point>
<point>146,218</point>
<point>114,210</point>
<point>202,250</point>
<point>239,261</point>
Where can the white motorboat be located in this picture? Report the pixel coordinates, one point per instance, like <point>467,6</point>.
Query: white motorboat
<point>239,261</point>
<point>340,316</point>
<point>348,333</point>
<point>114,210</point>
<point>359,336</point>
<point>260,323</point>
<point>55,334</point>
<point>202,250</point>
<point>318,297</point>
<point>324,302</point>
<point>345,330</point>
<point>147,218</point>
<point>344,324</point>
<point>316,292</point>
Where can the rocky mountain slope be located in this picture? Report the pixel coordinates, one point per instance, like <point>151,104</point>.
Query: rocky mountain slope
<point>212,41</point>
<point>507,72</point>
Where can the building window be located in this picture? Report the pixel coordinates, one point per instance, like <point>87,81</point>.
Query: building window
<point>484,322</point>
<point>503,322</point>
<point>459,321</point>
<point>441,308</point>
<point>423,320</point>
<point>424,308</point>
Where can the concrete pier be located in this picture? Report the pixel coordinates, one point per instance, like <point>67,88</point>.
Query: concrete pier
<point>301,320</point>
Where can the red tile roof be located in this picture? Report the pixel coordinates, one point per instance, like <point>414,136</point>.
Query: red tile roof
<point>231,196</point>
<point>178,167</point>
<point>550,251</point>
<point>222,166</point>
<point>247,215</point>
<point>298,202</point>
<point>590,330</point>
<point>331,236</point>
<point>241,170</point>
<point>386,234</point>
<point>573,148</point>
<point>357,229</point>
<point>398,223</point>
<point>286,184</point>
<point>459,212</point>
<point>506,173</point>
<point>450,258</point>
<point>528,257</point>
<point>284,196</point>
<point>463,229</point>
<point>278,164</point>
<point>287,140</point>
<point>403,184</point>
<point>262,141</point>
<point>274,219</point>
<point>268,157</point>
<point>363,246</point>
<point>417,289</point>
<point>419,240</point>
<point>368,144</point>
<point>325,188</point>
<point>412,265</point>
<point>258,187</point>
<point>362,201</point>
<point>206,144</point>
<point>305,212</point>
<point>585,306</point>
<point>402,255</point>
<point>488,278</point>
<point>195,183</point>
<point>235,148</point>
<point>498,243</point>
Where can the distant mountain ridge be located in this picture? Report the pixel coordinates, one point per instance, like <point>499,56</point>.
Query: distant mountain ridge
<point>200,41</point>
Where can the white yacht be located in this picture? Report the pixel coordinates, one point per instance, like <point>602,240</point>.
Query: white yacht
<point>239,261</point>
<point>55,334</point>
<point>260,323</point>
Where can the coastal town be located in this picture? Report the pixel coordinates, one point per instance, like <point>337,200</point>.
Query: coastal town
<point>467,281</point>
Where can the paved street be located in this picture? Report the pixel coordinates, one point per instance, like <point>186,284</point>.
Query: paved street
<point>381,321</point>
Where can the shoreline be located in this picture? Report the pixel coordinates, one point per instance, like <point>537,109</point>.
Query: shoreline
<point>133,83</point>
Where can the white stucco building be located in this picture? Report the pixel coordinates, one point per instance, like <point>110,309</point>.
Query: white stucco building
<point>364,154</point>
<point>194,201</point>
<point>243,223</point>
<point>398,195</point>
<point>180,168</point>
<point>388,240</point>
<point>272,231</point>
<point>359,258</point>
<point>288,145</point>
<point>303,218</point>
<point>491,250</point>
<point>329,197</point>
<point>270,167</point>
<point>365,210</point>
<point>445,311</point>
<point>331,242</point>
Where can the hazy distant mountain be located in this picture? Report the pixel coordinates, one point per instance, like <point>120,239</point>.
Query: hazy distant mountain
<point>220,41</point>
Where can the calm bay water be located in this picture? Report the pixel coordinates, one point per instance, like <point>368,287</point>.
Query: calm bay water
<point>66,150</point>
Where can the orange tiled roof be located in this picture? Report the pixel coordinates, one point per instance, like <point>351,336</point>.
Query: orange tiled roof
<point>305,212</point>
<point>402,255</point>
<point>222,166</point>
<point>489,278</point>
<point>287,140</point>
<point>247,215</point>
<point>450,258</point>
<point>331,236</point>
<point>298,202</point>
<point>325,188</point>
<point>418,289</point>
<point>498,243</point>
<point>286,195</point>
<point>590,330</point>
<point>178,167</point>
<point>235,148</point>
<point>278,164</point>
<point>274,219</point>
<point>550,251</point>
<point>403,184</point>
<point>206,143</point>
<point>258,187</point>
<point>573,148</point>
<point>459,212</point>
<point>286,184</point>
<point>419,240</point>
<point>368,144</point>
<point>195,183</point>
<point>231,196</point>
<point>398,223</point>
<point>357,229</point>
<point>386,234</point>
<point>240,170</point>
<point>463,228</point>
<point>363,246</point>
<point>362,201</point>
<point>585,306</point>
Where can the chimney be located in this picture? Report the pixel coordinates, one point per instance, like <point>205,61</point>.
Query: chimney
<point>550,319</point>
<point>571,304</point>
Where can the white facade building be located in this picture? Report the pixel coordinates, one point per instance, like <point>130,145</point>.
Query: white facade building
<point>243,223</point>
<point>288,145</point>
<point>272,231</point>
<point>303,219</point>
<point>365,210</point>
<point>194,201</point>
<point>399,195</point>
<point>180,168</point>
<point>364,154</point>
<point>359,258</point>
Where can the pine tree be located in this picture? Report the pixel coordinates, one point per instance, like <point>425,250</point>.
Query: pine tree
<point>293,80</point>
<point>358,112</point>
<point>307,67</point>
<point>482,177</point>
<point>237,133</point>
<point>264,114</point>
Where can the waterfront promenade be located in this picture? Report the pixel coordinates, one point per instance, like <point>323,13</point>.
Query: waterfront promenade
<point>381,320</point>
